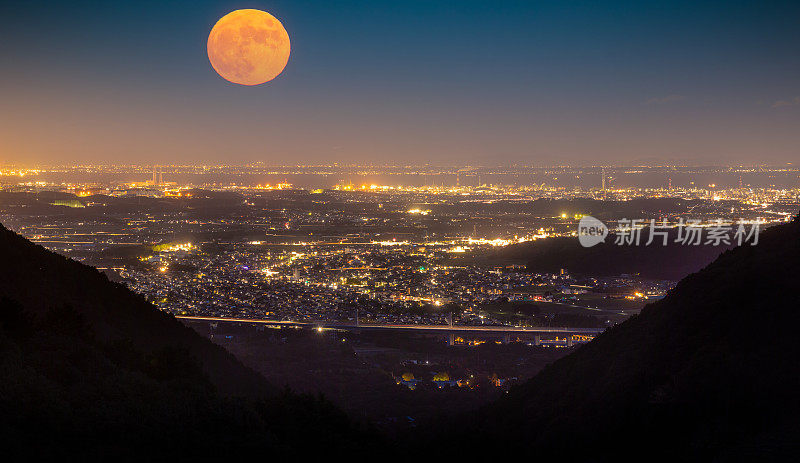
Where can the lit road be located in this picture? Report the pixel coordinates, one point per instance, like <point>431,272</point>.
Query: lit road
<point>429,328</point>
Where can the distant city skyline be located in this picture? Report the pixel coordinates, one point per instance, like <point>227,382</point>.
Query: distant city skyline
<point>541,83</point>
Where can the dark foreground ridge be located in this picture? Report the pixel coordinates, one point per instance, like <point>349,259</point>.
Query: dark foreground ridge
<point>42,281</point>
<point>710,373</point>
<point>92,370</point>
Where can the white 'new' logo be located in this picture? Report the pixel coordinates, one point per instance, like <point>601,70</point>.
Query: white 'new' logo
<point>591,231</point>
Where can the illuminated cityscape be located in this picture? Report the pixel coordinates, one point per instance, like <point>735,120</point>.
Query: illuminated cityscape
<point>226,241</point>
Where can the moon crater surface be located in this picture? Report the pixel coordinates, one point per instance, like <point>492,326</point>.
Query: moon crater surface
<point>248,47</point>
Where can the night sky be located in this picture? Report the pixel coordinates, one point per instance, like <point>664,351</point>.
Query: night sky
<point>378,82</point>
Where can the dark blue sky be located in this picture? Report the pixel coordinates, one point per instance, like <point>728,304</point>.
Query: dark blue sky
<point>539,82</point>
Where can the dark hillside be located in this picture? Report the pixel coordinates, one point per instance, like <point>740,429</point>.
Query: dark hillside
<point>41,280</point>
<point>710,373</point>
<point>91,371</point>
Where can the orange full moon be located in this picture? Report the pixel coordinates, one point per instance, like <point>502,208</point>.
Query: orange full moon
<point>248,47</point>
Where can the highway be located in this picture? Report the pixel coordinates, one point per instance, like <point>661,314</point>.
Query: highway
<point>429,328</point>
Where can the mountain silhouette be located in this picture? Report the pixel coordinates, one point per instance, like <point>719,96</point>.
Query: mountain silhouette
<point>711,373</point>
<point>92,371</point>
<point>41,280</point>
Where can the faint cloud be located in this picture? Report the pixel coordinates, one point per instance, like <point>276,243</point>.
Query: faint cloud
<point>665,99</point>
<point>793,102</point>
